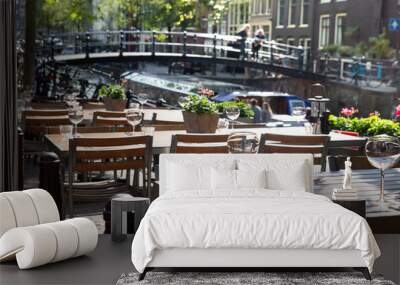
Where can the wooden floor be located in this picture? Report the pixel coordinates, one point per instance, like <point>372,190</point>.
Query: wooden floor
<point>103,266</point>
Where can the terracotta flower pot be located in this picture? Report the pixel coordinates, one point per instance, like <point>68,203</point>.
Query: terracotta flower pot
<point>114,104</point>
<point>204,123</point>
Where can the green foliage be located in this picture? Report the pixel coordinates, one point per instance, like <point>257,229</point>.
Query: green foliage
<point>337,50</point>
<point>245,109</point>
<point>380,47</point>
<point>370,126</point>
<point>113,91</point>
<point>66,15</point>
<point>200,105</point>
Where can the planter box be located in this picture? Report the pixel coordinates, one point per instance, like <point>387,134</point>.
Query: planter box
<point>114,104</point>
<point>205,123</point>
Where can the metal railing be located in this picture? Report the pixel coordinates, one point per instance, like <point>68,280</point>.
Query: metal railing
<point>158,43</point>
<point>358,71</point>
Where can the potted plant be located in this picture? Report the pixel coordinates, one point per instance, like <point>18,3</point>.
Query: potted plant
<point>200,115</point>
<point>114,97</point>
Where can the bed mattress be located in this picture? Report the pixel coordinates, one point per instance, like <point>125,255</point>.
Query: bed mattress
<point>253,219</point>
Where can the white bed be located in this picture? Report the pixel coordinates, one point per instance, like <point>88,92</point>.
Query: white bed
<point>220,211</point>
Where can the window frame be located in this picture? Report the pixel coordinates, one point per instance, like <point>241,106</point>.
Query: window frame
<point>302,24</point>
<point>290,7</point>
<point>328,17</point>
<point>280,17</point>
<point>339,15</point>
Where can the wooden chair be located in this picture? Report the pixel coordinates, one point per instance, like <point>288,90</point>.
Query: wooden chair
<point>317,145</point>
<point>348,148</point>
<point>106,154</point>
<point>93,129</point>
<point>199,144</point>
<point>167,127</point>
<point>107,118</point>
<point>93,105</point>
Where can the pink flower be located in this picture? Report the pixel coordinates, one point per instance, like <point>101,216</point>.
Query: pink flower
<point>397,113</point>
<point>348,112</point>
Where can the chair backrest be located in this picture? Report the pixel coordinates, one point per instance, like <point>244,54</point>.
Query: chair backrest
<point>317,145</point>
<point>26,208</point>
<point>106,154</point>
<point>348,148</point>
<point>92,129</point>
<point>35,122</point>
<point>44,113</point>
<point>93,105</point>
<point>107,118</point>
<point>199,144</point>
<point>174,127</point>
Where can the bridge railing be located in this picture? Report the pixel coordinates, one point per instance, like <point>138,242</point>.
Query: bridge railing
<point>373,73</point>
<point>128,42</point>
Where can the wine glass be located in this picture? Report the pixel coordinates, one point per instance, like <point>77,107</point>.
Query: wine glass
<point>299,113</point>
<point>232,113</point>
<point>76,116</point>
<point>383,152</point>
<point>134,118</point>
<point>143,98</point>
<point>243,142</point>
<point>134,106</point>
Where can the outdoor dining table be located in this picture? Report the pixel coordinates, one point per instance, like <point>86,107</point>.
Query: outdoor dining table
<point>367,185</point>
<point>162,139</point>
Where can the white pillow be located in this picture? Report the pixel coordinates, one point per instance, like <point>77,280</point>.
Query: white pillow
<point>183,177</point>
<point>278,178</point>
<point>251,179</point>
<point>223,179</point>
<point>283,172</point>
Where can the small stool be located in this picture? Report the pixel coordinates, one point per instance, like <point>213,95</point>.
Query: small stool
<point>119,207</point>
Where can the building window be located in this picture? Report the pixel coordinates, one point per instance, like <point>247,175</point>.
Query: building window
<point>267,32</point>
<point>238,15</point>
<point>340,27</point>
<point>292,13</point>
<point>304,13</point>
<point>325,1</point>
<point>280,13</point>
<point>324,24</point>
<point>279,40</point>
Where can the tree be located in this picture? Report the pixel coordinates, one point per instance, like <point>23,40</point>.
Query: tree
<point>119,14</point>
<point>64,15</point>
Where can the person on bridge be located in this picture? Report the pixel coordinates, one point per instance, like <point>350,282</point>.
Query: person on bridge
<point>259,38</point>
<point>243,33</point>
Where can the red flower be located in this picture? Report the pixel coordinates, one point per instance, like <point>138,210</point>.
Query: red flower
<point>397,113</point>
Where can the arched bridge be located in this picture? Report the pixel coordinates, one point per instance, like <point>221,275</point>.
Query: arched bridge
<point>208,49</point>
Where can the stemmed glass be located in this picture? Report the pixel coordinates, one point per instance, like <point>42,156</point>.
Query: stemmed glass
<point>299,113</point>
<point>134,118</point>
<point>75,116</point>
<point>143,98</point>
<point>383,152</point>
<point>232,113</point>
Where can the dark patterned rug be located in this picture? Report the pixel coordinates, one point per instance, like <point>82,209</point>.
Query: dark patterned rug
<point>244,278</point>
